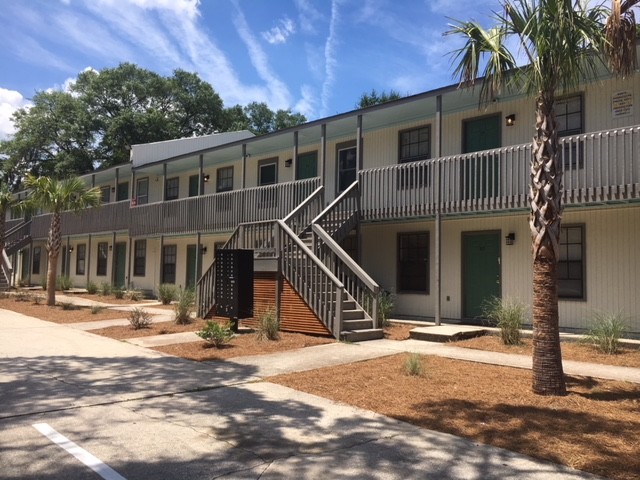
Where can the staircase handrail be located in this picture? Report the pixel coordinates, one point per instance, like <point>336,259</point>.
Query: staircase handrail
<point>303,214</point>
<point>367,298</point>
<point>205,297</point>
<point>7,269</point>
<point>328,311</point>
<point>339,199</point>
<point>16,229</point>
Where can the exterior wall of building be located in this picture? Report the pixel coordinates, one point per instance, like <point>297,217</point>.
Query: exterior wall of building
<point>611,263</point>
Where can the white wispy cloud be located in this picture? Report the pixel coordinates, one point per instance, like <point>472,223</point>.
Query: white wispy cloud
<point>281,32</point>
<point>10,101</point>
<point>278,92</point>
<point>308,16</point>
<point>330,58</point>
<point>307,105</point>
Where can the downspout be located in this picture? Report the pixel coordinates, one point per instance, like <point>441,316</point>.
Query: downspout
<point>201,175</point>
<point>438,249</point>
<point>294,161</point>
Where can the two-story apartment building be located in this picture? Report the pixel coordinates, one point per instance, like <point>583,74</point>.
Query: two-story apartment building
<point>428,195</point>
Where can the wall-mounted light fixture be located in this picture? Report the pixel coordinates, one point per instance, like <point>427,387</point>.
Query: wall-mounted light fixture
<point>288,163</point>
<point>203,249</point>
<point>206,178</point>
<point>71,249</point>
<point>510,238</point>
<point>110,247</point>
<point>113,189</point>
<point>510,120</point>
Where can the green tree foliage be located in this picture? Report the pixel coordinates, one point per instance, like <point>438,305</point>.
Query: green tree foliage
<point>375,98</point>
<point>94,125</point>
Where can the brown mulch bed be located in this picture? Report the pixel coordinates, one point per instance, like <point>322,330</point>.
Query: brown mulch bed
<point>595,428</point>
<point>243,345</point>
<point>627,357</point>
<point>398,331</point>
<point>110,299</point>
<point>160,328</point>
<point>57,314</point>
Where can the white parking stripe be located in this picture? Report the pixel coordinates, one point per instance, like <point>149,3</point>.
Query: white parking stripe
<point>81,454</point>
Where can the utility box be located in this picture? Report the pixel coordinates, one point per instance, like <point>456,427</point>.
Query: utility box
<point>234,283</point>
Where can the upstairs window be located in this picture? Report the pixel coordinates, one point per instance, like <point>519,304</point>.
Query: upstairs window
<point>415,144</point>
<point>172,188</point>
<point>105,194</point>
<point>122,192</point>
<point>142,191</point>
<point>569,115</point>
<point>224,179</point>
<point>194,185</point>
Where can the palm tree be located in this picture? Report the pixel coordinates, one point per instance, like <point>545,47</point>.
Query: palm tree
<point>564,42</point>
<point>57,196</point>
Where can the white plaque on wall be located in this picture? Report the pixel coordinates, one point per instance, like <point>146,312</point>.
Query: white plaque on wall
<point>622,104</point>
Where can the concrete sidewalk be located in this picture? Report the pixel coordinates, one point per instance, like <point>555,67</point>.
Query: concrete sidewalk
<point>147,415</point>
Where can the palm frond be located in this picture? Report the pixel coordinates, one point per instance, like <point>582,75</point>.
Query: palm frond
<point>621,35</point>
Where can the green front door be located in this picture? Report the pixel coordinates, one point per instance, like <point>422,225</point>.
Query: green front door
<point>192,266</point>
<point>481,172</point>
<point>120,264</point>
<point>481,278</point>
<point>307,165</point>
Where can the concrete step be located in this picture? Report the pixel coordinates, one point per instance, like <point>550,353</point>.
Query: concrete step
<point>361,324</point>
<point>362,335</point>
<point>446,333</point>
<point>353,314</point>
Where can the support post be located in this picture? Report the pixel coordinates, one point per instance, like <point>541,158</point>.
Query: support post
<point>198,259</point>
<point>117,183</point>
<point>113,258</point>
<point>201,175</point>
<point>294,160</point>
<point>164,182</point>
<point>359,144</point>
<point>67,258</point>
<point>278,272</point>
<point>30,261</point>
<point>87,261</point>
<point>323,152</point>
<point>438,227</point>
<point>129,264</point>
<point>161,259</point>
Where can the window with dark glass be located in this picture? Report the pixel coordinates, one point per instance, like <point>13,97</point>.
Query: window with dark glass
<point>413,262</point>
<point>105,194</point>
<point>571,278</point>
<point>569,116</point>
<point>172,187</point>
<point>103,254</point>
<point>81,256</point>
<point>35,266</point>
<point>224,179</point>
<point>140,258</point>
<point>414,145</point>
<point>122,192</point>
<point>142,191</point>
<point>169,255</point>
<point>268,172</point>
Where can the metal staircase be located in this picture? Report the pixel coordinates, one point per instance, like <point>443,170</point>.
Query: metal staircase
<point>336,289</point>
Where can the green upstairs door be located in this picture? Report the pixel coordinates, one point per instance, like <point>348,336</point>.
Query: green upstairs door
<point>481,173</point>
<point>481,278</point>
<point>192,266</point>
<point>121,263</point>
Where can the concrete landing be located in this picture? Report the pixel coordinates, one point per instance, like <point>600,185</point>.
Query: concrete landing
<point>446,333</point>
<point>167,339</point>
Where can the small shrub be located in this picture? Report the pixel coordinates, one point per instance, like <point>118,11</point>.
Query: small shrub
<point>216,334</point>
<point>605,332</point>
<point>508,315</point>
<point>22,297</point>
<point>67,306</point>
<point>118,292</point>
<point>268,326</point>
<point>184,306</point>
<point>105,289</point>
<point>413,365</point>
<point>139,318</point>
<point>386,302</point>
<point>167,293</point>
<point>133,295</point>
<point>95,309</point>
<point>37,299</point>
<point>92,288</point>
<point>63,283</point>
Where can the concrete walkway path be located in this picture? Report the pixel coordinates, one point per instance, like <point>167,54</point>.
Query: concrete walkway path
<point>147,415</point>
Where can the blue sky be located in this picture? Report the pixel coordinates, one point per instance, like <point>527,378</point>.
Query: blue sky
<point>313,56</point>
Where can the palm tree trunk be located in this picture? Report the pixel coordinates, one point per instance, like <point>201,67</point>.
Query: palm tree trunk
<point>53,247</point>
<point>546,210</point>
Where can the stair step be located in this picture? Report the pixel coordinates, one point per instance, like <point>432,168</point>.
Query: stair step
<point>362,324</point>
<point>353,314</point>
<point>362,335</point>
<point>348,304</point>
